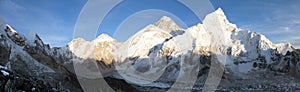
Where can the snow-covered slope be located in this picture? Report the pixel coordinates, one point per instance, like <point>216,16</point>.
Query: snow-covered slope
<point>100,49</point>
<point>139,44</point>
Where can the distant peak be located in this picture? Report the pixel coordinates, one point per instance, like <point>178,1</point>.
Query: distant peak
<point>165,18</point>
<point>220,11</point>
<point>78,40</point>
<point>167,24</point>
<point>218,17</point>
<point>104,38</point>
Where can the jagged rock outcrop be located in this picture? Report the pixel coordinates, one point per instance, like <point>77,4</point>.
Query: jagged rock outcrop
<point>27,64</point>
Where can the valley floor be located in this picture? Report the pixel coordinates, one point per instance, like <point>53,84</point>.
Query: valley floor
<point>256,80</point>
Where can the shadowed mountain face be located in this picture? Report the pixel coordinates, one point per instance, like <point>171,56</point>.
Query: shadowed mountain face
<point>157,58</point>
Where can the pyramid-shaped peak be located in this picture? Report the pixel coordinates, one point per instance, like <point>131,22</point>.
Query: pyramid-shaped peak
<point>218,19</point>
<point>165,18</point>
<point>220,11</point>
<point>167,24</point>
<point>217,14</point>
<point>104,38</point>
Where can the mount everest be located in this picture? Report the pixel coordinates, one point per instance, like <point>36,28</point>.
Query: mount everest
<point>155,57</point>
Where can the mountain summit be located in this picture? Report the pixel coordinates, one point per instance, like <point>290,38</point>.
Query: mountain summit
<point>167,24</point>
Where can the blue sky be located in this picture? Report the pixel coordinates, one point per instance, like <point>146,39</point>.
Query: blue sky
<point>54,20</point>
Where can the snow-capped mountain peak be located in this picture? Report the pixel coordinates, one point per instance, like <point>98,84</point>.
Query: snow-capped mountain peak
<point>218,18</point>
<point>104,38</point>
<point>167,24</point>
<point>99,49</point>
<point>164,20</point>
<point>220,12</point>
<point>140,43</point>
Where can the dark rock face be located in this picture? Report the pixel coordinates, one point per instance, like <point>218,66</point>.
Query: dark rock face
<point>32,66</point>
<point>15,82</point>
<point>4,54</point>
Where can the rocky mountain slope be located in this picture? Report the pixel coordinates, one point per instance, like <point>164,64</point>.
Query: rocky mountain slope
<point>28,64</point>
<point>160,56</point>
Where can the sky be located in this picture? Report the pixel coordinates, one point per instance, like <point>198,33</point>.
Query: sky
<point>55,20</point>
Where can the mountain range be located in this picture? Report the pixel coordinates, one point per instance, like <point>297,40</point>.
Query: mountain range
<point>159,57</point>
